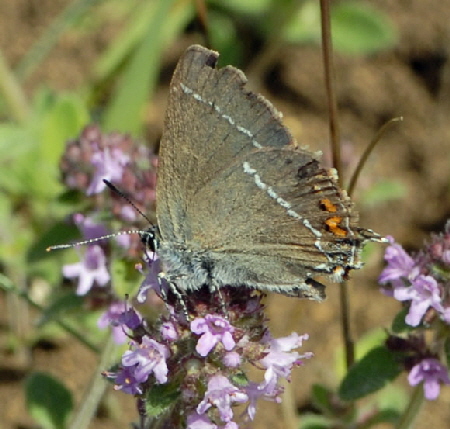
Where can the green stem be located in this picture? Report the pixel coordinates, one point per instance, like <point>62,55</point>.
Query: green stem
<point>96,389</point>
<point>413,408</point>
<point>8,285</point>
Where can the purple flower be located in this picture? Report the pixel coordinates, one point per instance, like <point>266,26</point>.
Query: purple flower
<point>169,331</point>
<point>197,421</point>
<point>126,381</point>
<point>128,213</point>
<point>229,425</point>
<point>152,279</point>
<point>221,394</point>
<point>110,318</point>
<point>255,391</point>
<point>120,315</point>
<point>130,318</point>
<point>280,359</point>
<point>212,328</point>
<point>146,358</point>
<point>423,293</point>
<point>109,164</point>
<point>123,240</point>
<point>91,270</point>
<point>399,265</point>
<point>88,227</point>
<point>432,373</point>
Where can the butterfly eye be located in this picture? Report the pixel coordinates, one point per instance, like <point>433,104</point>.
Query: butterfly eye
<point>150,238</point>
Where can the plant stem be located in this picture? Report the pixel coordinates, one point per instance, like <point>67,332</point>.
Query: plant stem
<point>327,52</point>
<point>94,392</point>
<point>367,152</point>
<point>412,410</point>
<point>9,286</point>
<point>349,344</point>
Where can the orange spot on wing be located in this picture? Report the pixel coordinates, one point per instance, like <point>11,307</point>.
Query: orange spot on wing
<point>328,205</point>
<point>333,226</point>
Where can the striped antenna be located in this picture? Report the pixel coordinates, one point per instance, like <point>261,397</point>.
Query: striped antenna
<point>125,197</point>
<point>95,240</point>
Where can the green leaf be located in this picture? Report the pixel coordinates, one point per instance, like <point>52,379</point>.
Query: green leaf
<point>383,416</point>
<point>359,28</point>
<point>312,421</point>
<point>240,379</point>
<point>305,25</point>
<point>59,233</point>
<point>393,399</point>
<point>36,147</point>
<point>245,7</point>
<point>16,145</point>
<point>356,27</point>
<point>399,325</point>
<point>320,397</point>
<point>63,121</point>
<point>48,401</point>
<point>370,340</point>
<point>369,374</point>
<point>225,39</point>
<point>160,397</point>
<point>125,277</point>
<point>126,111</point>
<point>63,305</point>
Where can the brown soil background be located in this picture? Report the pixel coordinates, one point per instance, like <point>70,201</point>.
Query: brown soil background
<point>410,80</point>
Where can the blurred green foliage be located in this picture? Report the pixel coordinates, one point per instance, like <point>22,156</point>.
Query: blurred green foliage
<point>48,401</point>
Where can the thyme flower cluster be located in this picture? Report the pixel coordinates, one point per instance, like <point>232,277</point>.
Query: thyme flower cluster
<point>421,282</point>
<point>187,368</point>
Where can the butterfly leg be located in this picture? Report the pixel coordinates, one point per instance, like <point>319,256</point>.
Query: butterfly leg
<point>170,284</point>
<point>180,299</point>
<point>215,288</point>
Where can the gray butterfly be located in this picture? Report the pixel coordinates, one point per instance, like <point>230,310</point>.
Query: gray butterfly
<point>238,202</point>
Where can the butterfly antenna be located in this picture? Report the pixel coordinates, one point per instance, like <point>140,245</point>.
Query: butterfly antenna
<point>126,198</point>
<point>104,237</point>
<point>92,240</point>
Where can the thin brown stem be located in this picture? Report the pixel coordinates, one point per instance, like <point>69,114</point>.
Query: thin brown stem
<point>367,152</point>
<point>327,52</point>
<point>349,344</point>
